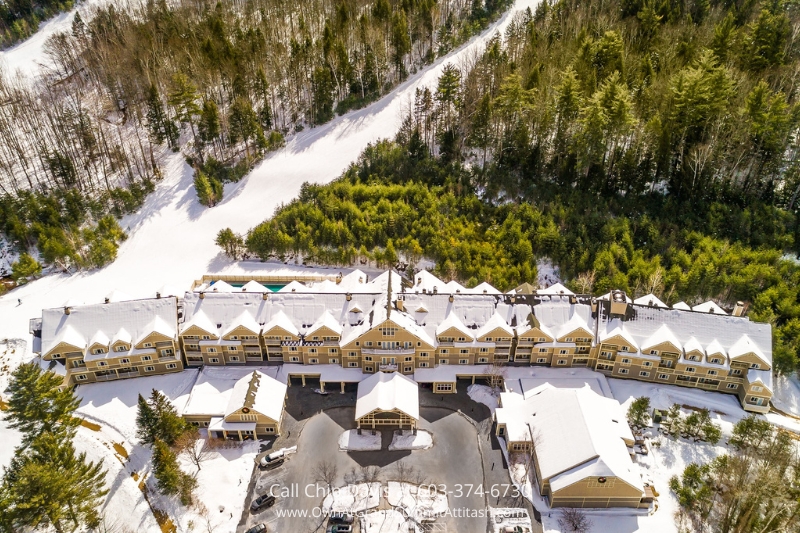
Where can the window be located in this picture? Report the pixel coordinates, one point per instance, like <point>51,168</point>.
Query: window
<point>423,354</point>
<point>623,370</point>
<point>644,374</point>
<point>444,352</point>
<point>754,400</point>
<point>562,362</point>
<point>693,358</point>
<point>234,337</point>
<point>690,369</point>
<point>756,388</point>
<point>333,361</point>
<point>388,332</point>
<point>78,363</point>
<point>171,366</point>
<point>444,387</point>
<point>147,358</point>
<point>333,350</point>
<point>484,350</point>
<point>368,344</point>
<point>98,351</point>
<point>755,365</point>
<point>102,363</point>
<point>169,351</point>
<point>206,337</point>
<point>120,348</point>
<point>233,358</point>
<point>80,377</point>
<point>563,352</point>
<point>352,354</point>
<point>313,361</point>
<point>626,361</point>
<point>213,360</point>
<point>647,363</point>
<point>352,364</point>
<point>269,430</point>
<point>541,360</point>
<point>715,361</point>
<point>407,369</point>
<point>312,350</point>
<point>248,418</point>
<point>293,348</point>
<point>466,362</point>
<point>463,352</point>
<point>147,345</point>
<point>623,348</point>
<point>212,350</point>
<point>483,359</point>
<point>125,361</point>
<point>542,350</point>
<point>653,352</point>
<point>289,338</point>
<point>423,364</point>
<point>149,368</point>
<point>712,372</point>
<point>489,339</point>
<point>462,339</point>
<point>541,339</point>
<point>367,369</point>
<point>732,386</point>
<point>736,372</point>
<point>294,359</point>
<point>663,376</point>
<point>443,361</point>
<point>408,359</point>
<point>368,358</point>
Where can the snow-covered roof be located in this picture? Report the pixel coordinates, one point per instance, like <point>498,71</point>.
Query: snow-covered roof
<point>260,393</point>
<point>386,392</point>
<point>662,335</point>
<point>117,296</point>
<point>709,307</point>
<point>107,323</point>
<point>245,320</point>
<point>221,286</point>
<point>576,321</point>
<point>282,321</point>
<point>714,347</point>
<point>201,320</point>
<point>452,321</point>
<point>496,322</point>
<point>576,433</point>
<point>294,286</point>
<point>682,306</point>
<point>745,345</point>
<point>253,286</point>
<point>99,338</point>
<point>693,345</point>
<point>616,327</point>
<point>483,288</point>
<point>556,289</point>
<point>651,300</point>
<point>157,325</point>
<point>326,321</point>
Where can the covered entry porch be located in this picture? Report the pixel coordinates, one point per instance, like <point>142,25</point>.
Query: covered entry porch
<point>220,429</point>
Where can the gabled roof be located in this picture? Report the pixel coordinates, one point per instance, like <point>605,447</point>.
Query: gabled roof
<point>709,307</point>
<point>682,305</point>
<point>253,286</point>
<point>117,296</point>
<point>99,338</point>
<point>617,327</point>
<point>259,392</point>
<point>496,322</point>
<point>246,321</point>
<point>157,325</point>
<point>70,336</point>
<point>744,346</point>
<point>294,286</point>
<point>201,320</point>
<point>714,347</point>
<point>693,345</point>
<point>121,335</point>
<point>326,320</point>
<point>221,286</point>
<point>354,307</point>
<point>525,288</point>
<point>452,321</point>
<point>575,321</point>
<point>556,289</point>
<point>483,288</point>
<point>650,300</point>
<point>282,321</point>
<point>661,335</point>
<point>388,392</point>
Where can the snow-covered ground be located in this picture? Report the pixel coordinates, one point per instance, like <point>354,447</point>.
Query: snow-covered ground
<point>388,521</point>
<point>408,441</point>
<point>484,394</point>
<point>421,503</point>
<point>351,441</point>
<point>353,498</point>
<point>547,273</point>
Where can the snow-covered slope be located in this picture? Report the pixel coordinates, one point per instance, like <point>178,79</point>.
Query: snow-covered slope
<point>171,240</point>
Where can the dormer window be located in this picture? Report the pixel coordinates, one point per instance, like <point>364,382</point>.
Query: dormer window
<point>715,361</point>
<point>488,339</point>
<point>653,352</point>
<point>206,337</point>
<point>692,358</point>
<point>755,366</point>
<point>121,348</point>
<point>98,351</point>
<point>147,345</point>
<point>234,337</point>
<point>568,339</point>
<point>461,339</point>
<point>623,348</point>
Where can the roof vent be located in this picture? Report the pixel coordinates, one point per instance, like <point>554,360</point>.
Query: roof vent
<point>219,325</point>
<point>361,279</point>
<point>244,289</point>
<point>485,291</point>
<point>419,280</point>
<point>108,299</point>
<point>294,290</point>
<point>739,309</point>
<point>451,298</point>
<point>349,296</point>
<point>158,295</point>
<point>202,295</point>
<point>435,290</point>
<point>67,310</point>
<point>265,296</point>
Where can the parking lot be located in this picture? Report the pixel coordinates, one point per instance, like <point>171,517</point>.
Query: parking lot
<point>455,461</point>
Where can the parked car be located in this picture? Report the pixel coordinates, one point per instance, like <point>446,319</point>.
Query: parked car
<point>258,528</point>
<point>514,529</point>
<point>340,528</point>
<point>341,518</point>
<point>265,500</point>
<point>272,460</point>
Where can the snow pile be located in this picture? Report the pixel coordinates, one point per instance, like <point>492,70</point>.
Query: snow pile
<point>483,394</point>
<point>351,441</point>
<point>389,521</point>
<point>406,440</point>
<point>787,394</point>
<point>353,498</point>
<point>422,503</point>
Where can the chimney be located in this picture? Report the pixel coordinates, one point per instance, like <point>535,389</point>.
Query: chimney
<point>107,299</point>
<point>348,296</point>
<point>67,310</point>
<point>619,303</point>
<point>739,309</point>
<point>158,295</point>
<point>435,290</point>
<point>400,305</point>
<point>202,295</point>
<point>451,298</point>
<point>338,278</point>
<point>265,296</point>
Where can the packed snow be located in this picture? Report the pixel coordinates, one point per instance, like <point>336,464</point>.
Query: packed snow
<point>351,441</point>
<point>407,440</point>
<point>388,521</point>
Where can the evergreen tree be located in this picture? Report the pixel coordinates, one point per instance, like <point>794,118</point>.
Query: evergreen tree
<point>36,405</point>
<point>160,126</point>
<point>243,123</point>
<point>231,243</point>
<point>208,125</point>
<point>169,477</point>
<point>183,97</point>
<point>639,412</point>
<point>25,267</point>
<point>158,420</point>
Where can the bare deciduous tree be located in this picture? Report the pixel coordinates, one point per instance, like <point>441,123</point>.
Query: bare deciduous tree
<point>326,472</point>
<point>574,520</point>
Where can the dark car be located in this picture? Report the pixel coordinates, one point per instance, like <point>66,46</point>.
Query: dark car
<point>265,500</point>
<point>341,518</point>
<point>258,528</point>
<point>340,528</point>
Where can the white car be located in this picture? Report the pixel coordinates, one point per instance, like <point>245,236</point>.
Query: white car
<point>272,460</point>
